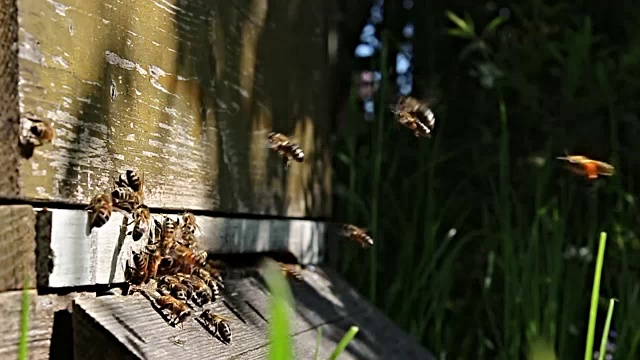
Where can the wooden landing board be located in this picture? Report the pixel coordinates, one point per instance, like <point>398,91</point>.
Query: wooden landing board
<point>49,325</point>
<point>131,323</point>
<point>100,257</point>
<point>184,91</point>
<point>17,247</point>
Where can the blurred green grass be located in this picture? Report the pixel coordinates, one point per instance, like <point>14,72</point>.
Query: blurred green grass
<point>486,245</point>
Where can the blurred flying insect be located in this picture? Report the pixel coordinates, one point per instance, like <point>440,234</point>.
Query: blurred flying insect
<point>35,132</point>
<point>583,166</point>
<point>291,271</point>
<point>415,115</point>
<point>100,210</point>
<point>285,147</point>
<point>357,234</point>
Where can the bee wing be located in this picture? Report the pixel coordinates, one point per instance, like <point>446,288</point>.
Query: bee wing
<point>604,168</point>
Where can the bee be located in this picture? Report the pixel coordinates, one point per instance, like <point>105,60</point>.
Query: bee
<point>285,147</point>
<point>210,280</point>
<point>415,115</point>
<point>125,198</point>
<point>155,258</point>
<point>218,325</point>
<point>131,179</point>
<point>39,132</point>
<point>169,284</point>
<point>190,256</point>
<point>138,273</point>
<point>141,220</point>
<point>100,209</point>
<point>582,166</point>
<point>188,222</point>
<point>202,294</point>
<point>291,271</point>
<point>357,234</point>
<point>178,309</point>
<point>188,239</point>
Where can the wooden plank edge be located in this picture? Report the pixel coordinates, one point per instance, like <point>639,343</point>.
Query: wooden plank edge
<point>81,258</point>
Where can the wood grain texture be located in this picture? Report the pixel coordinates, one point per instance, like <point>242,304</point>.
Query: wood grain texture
<point>184,91</point>
<point>132,322</point>
<point>47,315</point>
<point>9,110</point>
<point>17,246</point>
<point>100,257</point>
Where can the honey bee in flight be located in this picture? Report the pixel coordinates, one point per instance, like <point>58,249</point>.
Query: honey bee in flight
<point>218,325</point>
<point>141,221</point>
<point>131,179</point>
<point>357,234</point>
<point>415,115</point>
<point>583,166</point>
<point>38,131</point>
<point>292,271</point>
<point>178,309</point>
<point>100,209</point>
<point>285,147</point>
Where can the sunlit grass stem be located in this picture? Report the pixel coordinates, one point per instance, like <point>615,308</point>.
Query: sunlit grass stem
<point>595,295</point>
<point>346,339</point>
<point>605,331</point>
<point>281,298</point>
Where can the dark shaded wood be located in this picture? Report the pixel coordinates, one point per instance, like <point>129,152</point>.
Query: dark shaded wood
<point>46,313</point>
<point>322,300</point>
<point>9,111</point>
<point>68,256</point>
<point>184,91</point>
<point>17,247</point>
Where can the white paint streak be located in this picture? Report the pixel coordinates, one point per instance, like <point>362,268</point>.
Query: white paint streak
<point>114,59</point>
<point>61,61</point>
<point>171,111</point>
<point>29,49</point>
<point>59,8</point>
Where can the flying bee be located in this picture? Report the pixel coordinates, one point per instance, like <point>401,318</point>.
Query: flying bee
<point>178,309</point>
<point>415,115</point>
<point>357,234</point>
<point>131,179</point>
<point>202,294</point>
<point>582,165</point>
<point>291,271</point>
<point>37,132</point>
<point>285,147</point>
<point>218,325</point>
<point>210,280</point>
<point>169,284</point>
<point>141,220</point>
<point>125,198</point>
<point>100,209</point>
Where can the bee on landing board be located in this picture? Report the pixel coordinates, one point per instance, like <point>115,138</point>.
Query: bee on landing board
<point>202,293</point>
<point>285,147</point>
<point>141,221</point>
<point>138,273</point>
<point>583,166</point>
<point>415,115</point>
<point>125,198</point>
<point>100,209</point>
<point>178,309</point>
<point>218,325</point>
<point>357,234</point>
<point>169,284</point>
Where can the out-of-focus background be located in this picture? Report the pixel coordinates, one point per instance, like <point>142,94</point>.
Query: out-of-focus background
<point>485,244</point>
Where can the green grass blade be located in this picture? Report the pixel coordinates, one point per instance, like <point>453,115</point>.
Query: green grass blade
<point>315,356</point>
<point>280,342</point>
<point>605,331</point>
<point>595,294</point>
<point>346,339</point>
<point>24,323</point>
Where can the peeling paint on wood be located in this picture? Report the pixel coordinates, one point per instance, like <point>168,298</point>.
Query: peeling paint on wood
<point>101,256</point>
<point>182,91</point>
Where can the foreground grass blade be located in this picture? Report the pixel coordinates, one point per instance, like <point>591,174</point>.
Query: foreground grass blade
<point>315,356</point>
<point>346,339</point>
<point>595,295</point>
<point>24,322</point>
<point>605,331</point>
<point>280,342</point>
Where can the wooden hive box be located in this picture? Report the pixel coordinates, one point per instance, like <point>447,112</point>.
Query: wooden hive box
<point>184,92</point>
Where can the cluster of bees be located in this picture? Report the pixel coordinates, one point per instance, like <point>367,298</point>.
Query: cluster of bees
<point>170,259</point>
<point>417,116</point>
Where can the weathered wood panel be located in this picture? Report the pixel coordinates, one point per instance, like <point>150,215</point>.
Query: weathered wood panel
<point>17,247</point>
<point>184,91</point>
<point>49,325</point>
<point>132,322</point>
<point>9,111</point>
<point>100,257</point>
